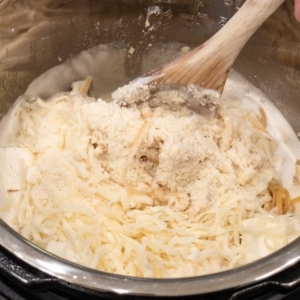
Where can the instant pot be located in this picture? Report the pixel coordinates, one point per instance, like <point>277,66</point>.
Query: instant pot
<point>36,35</point>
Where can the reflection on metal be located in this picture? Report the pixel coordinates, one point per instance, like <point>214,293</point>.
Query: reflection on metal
<point>229,2</point>
<point>199,9</point>
<point>167,1</point>
<point>197,14</point>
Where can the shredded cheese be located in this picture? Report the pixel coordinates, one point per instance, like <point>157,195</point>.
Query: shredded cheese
<point>148,192</point>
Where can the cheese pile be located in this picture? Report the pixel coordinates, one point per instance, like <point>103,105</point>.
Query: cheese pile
<point>145,192</point>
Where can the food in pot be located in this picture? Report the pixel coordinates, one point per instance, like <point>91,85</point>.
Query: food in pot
<point>151,191</point>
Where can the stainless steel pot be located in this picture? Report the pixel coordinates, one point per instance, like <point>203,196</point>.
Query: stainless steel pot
<point>36,35</point>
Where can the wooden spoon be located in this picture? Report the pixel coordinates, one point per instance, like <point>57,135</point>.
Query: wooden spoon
<point>208,65</point>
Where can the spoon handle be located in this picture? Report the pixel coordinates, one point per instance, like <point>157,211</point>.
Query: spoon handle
<point>238,30</point>
<point>208,65</point>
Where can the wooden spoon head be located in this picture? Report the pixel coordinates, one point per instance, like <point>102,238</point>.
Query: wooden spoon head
<point>199,100</point>
<point>206,73</point>
<point>171,96</point>
<point>200,89</point>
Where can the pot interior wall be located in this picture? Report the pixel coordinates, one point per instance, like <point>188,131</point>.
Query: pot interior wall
<point>38,35</point>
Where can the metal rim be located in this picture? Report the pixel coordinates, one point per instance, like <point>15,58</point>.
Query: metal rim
<point>101,281</point>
